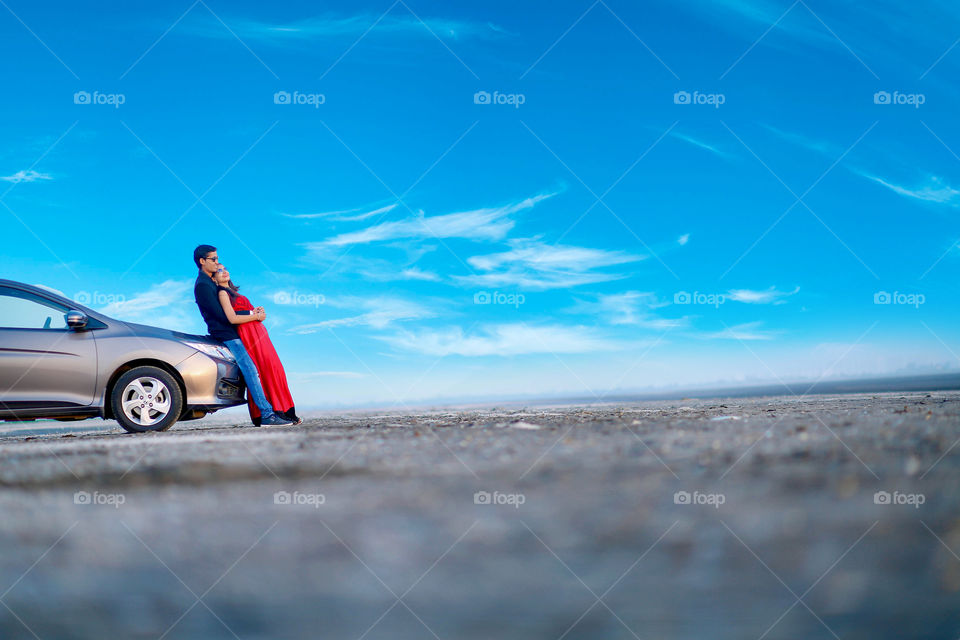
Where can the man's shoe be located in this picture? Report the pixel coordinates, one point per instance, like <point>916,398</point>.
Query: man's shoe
<point>275,421</point>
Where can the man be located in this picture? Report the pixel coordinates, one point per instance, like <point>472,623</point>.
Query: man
<point>205,258</point>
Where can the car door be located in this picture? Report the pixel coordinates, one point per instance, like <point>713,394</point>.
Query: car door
<point>43,362</point>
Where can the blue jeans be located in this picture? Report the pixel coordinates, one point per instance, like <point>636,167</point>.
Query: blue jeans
<point>250,376</point>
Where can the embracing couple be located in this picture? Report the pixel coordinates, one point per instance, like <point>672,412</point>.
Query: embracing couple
<point>234,321</point>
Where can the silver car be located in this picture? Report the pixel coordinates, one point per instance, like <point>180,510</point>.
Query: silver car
<point>61,360</point>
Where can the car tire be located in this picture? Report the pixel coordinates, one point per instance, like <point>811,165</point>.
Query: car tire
<point>146,399</point>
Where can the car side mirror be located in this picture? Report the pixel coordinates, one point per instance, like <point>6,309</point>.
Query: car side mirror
<point>76,319</point>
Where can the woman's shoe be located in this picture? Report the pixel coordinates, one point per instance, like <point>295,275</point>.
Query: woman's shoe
<point>291,415</point>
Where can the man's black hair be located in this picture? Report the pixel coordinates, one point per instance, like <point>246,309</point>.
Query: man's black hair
<point>201,252</point>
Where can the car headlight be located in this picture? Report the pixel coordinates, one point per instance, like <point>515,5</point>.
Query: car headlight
<point>213,350</point>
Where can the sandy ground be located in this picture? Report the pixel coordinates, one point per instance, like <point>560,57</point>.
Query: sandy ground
<point>736,518</point>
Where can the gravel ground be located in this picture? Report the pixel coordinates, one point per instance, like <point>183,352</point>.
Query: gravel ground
<point>718,518</point>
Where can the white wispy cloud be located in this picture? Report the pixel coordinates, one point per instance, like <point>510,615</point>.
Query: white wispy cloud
<point>751,15</point>
<point>489,224</point>
<point>934,190</point>
<point>699,143</point>
<point>633,308</point>
<point>386,271</point>
<point>535,265</point>
<point>415,273</point>
<point>862,30</point>
<point>345,215</point>
<point>765,296</point>
<point>378,313</point>
<point>503,340</point>
<point>397,23</point>
<point>809,143</point>
<point>27,175</point>
<point>540,256</point>
<point>746,331</point>
<point>313,375</point>
<point>536,281</point>
<point>532,264</point>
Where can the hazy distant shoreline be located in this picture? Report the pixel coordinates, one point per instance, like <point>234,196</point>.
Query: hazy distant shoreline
<point>889,384</point>
<point>880,384</point>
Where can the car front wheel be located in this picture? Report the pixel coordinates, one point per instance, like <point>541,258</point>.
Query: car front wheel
<point>146,399</point>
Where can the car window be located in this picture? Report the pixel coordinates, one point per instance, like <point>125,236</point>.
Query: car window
<point>23,311</point>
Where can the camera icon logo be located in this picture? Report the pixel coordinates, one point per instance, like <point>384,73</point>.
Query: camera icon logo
<point>281,297</point>
<point>881,497</point>
<point>681,297</point>
<point>482,297</point>
<point>281,497</point>
<point>481,497</point>
<point>281,97</point>
<point>81,497</point>
<point>481,97</point>
<point>81,97</point>
<point>881,97</point>
<point>681,497</point>
<point>882,297</point>
<point>681,97</point>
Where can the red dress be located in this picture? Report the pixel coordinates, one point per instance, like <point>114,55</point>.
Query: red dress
<point>258,345</point>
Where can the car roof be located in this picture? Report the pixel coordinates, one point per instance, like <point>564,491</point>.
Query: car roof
<point>50,289</point>
<point>50,292</point>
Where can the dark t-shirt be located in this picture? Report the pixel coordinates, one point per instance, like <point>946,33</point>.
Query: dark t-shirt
<point>205,293</point>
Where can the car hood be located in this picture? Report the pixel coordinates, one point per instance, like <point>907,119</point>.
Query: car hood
<point>145,330</point>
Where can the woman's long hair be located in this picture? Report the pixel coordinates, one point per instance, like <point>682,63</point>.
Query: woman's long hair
<point>231,288</point>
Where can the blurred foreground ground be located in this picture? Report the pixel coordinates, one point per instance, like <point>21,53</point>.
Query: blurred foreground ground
<point>736,518</point>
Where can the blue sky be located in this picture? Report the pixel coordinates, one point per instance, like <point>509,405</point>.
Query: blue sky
<point>439,202</point>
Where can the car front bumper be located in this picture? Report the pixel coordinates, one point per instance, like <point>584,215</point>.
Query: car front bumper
<point>211,383</point>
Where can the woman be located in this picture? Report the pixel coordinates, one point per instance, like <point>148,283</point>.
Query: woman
<point>258,345</point>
